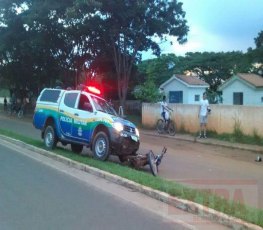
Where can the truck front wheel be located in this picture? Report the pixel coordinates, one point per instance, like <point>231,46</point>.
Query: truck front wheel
<point>50,138</point>
<point>100,146</point>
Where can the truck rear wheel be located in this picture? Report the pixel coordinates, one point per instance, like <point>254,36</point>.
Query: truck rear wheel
<point>100,146</point>
<point>50,137</point>
<point>76,148</point>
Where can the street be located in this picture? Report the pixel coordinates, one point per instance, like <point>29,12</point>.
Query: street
<point>230,173</point>
<point>39,193</point>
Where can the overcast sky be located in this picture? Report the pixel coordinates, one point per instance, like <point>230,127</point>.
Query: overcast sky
<point>219,25</point>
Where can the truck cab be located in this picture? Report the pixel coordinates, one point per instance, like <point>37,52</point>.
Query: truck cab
<point>83,118</point>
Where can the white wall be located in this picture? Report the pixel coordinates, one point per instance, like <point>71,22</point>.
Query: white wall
<point>188,92</point>
<point>175,86</point>
<point>191,95</point>
<point>250,96</point>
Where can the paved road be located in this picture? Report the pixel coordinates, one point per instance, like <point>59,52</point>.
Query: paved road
<point>231,173</point>
<point>39,193</point>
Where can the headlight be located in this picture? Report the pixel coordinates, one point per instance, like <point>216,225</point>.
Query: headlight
<point>137,132</point>
<point>118,126</point>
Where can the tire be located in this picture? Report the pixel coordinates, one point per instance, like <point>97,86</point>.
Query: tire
<point>160,126</point>
<point>9,111</point>
<point>100,146</point>
<point>50,137</point>
<point>171,128</point>
<point>152,163</point>
<point>76,148</point>
<point>20,113</point>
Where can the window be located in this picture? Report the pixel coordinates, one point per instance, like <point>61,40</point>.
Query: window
<point>238,98</point>
<point>261,99</point>
<point>176,97</point>
<point>101,105</point>
<point>84,103</point>
<point>70,99</point>
<point>50,95</point>
<point>197,97</point>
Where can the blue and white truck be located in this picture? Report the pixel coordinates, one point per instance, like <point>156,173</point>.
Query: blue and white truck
<point>83,118</point>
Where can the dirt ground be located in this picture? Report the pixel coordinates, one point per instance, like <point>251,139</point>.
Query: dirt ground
<point>230,173</point>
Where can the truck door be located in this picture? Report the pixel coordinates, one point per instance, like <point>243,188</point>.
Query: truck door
<point>83,119</point>
<point>66,113</point>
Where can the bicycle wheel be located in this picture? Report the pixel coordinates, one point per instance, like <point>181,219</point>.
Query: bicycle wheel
<point>20,113</point>
<point>171,128</point>
<point>160,126</point>
<point>9,111</point>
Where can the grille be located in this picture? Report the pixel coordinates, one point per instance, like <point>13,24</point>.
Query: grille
<point>129,129</point>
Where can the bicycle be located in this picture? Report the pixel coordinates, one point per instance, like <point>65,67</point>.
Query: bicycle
<point>166,127</point>
<point>12,108</point>
<point>16,109</point>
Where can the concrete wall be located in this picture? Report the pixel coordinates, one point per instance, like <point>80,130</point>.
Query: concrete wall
<point>222,119</point>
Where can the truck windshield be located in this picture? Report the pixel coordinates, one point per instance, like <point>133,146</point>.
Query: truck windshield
<point>103,106</point>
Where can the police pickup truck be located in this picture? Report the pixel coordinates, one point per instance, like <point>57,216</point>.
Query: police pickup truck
<point>83,118</point>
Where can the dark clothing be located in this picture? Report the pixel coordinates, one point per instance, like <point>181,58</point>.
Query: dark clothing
<point>5,104</point>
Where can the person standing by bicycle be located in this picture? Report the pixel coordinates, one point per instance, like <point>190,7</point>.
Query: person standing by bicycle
<point>165,110</point>
<point>165,124</point>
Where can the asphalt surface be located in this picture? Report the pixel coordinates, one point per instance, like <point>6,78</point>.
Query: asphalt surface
<point>36,194</point>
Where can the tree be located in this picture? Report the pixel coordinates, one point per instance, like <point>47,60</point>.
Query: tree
<point>33,45</point>
<point>159,69</point>
<point>42,39</point>
<point>147,92</point>
<point>126,28</point>
<point>151,74</point>
<point>259,40</point>
<point>215,68</point>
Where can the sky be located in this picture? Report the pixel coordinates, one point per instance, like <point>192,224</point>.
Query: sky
<point>218,25</point>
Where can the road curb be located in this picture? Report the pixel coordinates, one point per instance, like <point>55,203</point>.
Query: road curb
<point>185,205</point>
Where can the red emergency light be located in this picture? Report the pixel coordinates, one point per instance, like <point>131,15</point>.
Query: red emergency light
<point>93,89</point>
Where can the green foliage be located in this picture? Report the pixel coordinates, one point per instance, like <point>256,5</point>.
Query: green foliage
<point>237,132</point>
<point>259,39</point>
<point>159,69</point>
<point>147,92</point>
<point>33,46</point>
<point>46,39</point>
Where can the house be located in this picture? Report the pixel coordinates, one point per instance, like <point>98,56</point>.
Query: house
<point>243,89</point>
<point>184,89</point>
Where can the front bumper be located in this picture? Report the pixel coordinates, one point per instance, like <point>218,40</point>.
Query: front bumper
<point>124,143</point>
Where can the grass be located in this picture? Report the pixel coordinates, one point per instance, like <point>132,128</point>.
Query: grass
<point>241,211</point>
<point>255,139</point>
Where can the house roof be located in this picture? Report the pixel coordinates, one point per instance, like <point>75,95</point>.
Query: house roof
<point>251,79</point>
<point>190,81</point>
